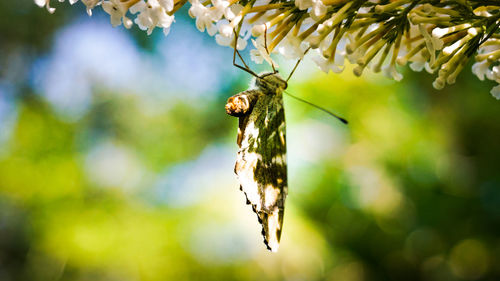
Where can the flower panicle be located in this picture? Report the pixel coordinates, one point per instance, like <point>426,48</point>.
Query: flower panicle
<point>438,36</point>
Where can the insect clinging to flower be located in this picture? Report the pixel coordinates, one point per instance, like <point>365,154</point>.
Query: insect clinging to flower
<point>261,165</point>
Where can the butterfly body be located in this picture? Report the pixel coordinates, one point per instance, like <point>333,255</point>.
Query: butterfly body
<point>261,162</point>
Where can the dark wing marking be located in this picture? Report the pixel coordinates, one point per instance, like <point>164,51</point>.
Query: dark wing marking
<point>261,162</point>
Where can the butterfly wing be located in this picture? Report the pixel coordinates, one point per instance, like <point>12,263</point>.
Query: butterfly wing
<point>261,162</point>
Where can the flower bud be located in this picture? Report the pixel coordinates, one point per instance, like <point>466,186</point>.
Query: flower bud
<point>402,61</point>
<point>358,70</point>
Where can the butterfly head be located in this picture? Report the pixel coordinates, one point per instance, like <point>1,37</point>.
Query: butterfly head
<point>271,82</point>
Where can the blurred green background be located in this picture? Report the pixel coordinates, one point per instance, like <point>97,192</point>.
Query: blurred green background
<point>116,163</point>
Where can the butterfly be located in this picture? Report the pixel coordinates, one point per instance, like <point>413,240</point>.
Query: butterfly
<point>261,161</point>
<point>261,164</point>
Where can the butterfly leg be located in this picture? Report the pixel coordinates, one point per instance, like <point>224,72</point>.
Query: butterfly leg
<point>296,65</point>
<point>236,52</point>
<point>265,47</point>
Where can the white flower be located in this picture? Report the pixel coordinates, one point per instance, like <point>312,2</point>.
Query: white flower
<point>335,65</point>
<point>292,47</point>
<point>152,15</point>
<point>218,9</point>
<point>229,41</point>
<point>318,10</point>
<point>46,3</point>
<point>428,68</point>
<point>197,9</point>
<point>419,62</point>
<point>226,29</point>
<point>117,11</point>
<point>258,30</point>
<point>168,5</point>
<point>232,11</point>
<point>138,7</point>
<point>259,54</point>
<point>90,4</point>
<point>204,17</point>
<point>494,74</point>
<point>205,21</point>
<point>480,69</point>
<point>303,4</point>
<point>391,72</point>
<point>256,56</point>
<point>417,65</point>
<point>495,92</point>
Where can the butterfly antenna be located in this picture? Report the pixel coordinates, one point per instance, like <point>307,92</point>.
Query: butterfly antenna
<point>246,68</point>
<point>297,64</point>
<point>318,107</point>
<point>267,50</point>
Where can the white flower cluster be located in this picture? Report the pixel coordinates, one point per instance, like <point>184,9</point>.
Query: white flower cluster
<point>150,13</point>
<point>379,35</point>
<point>487,64</point>
<point>450,46</point>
